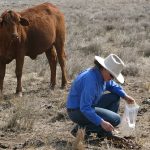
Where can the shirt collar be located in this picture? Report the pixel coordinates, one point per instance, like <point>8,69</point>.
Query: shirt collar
<point>98,74</point>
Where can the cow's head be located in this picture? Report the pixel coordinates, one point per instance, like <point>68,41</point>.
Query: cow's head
<point>11,21</point>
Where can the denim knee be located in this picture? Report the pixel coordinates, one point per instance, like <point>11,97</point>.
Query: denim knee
<point>117,120</point>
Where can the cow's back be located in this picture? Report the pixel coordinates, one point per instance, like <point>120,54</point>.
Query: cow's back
<point>43,9</point>
<point>46,25</point>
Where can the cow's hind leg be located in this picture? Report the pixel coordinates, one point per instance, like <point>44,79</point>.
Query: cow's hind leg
<point>2,74</point>
<point>59,45</point>
<point>52,59</point>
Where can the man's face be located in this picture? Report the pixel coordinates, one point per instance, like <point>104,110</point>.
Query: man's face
<point>106,75</point>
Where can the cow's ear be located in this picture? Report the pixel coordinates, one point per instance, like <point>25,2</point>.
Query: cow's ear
<point>24,22</point>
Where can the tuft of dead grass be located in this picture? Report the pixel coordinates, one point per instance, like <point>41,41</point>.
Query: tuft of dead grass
<point>131,69</point>
<point>21,117</point>
<point>145,48</point>
<point>79,144</point>
<point>146,86</point>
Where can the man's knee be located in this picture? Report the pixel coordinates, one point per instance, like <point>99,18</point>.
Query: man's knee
<point>117,120</point>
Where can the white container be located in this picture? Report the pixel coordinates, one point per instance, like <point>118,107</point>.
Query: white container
<point>131,111</point>
<point>128,121</point>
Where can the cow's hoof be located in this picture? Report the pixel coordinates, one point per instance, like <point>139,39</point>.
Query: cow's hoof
<point>64,86</point>
<point>19,94</point>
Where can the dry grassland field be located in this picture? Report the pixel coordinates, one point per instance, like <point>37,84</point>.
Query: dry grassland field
<point>38,120</point>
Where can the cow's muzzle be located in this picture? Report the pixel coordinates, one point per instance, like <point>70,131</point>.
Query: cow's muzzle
<point>15,36</point>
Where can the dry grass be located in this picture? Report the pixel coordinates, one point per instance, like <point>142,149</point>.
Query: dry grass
<point>20,117</point>
<point>145,48</point>
<point>78,144</point>
<point>105,28</point>
<point>147,86</point>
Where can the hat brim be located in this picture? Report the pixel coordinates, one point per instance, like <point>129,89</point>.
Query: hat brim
<point>119,77</point>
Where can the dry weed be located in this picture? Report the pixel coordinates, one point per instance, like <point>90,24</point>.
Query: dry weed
<point>78,144</point>
<point>147,86</point>
<point>20,118</point>
<point>131,69</point>
<point>145,48</point>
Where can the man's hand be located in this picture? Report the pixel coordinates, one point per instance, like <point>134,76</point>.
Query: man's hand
<point>129,99</point>
<point>106,126</point>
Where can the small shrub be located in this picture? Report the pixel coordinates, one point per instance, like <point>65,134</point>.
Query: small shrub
<point>109,27</point>
<point>74,64</point>
<point>145,48</point>
<point>12,123</point>
<point>78,62</point>
<point>128,55</point>
<point>20,118</point>
<point>92,47</point>
<point>131,70</point>
<point>146,86</point>
<point>79,143</point>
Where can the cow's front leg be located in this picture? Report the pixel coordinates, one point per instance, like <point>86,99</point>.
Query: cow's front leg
<point>2,75</point>
<point>19,66</point>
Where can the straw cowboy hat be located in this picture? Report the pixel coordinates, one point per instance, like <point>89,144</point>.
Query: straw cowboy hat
<point>114,65</point>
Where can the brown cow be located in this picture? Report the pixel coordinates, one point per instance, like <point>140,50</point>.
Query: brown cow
<point>30,33</point>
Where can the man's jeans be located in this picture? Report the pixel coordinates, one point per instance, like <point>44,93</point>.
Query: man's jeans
<point>107,108</point>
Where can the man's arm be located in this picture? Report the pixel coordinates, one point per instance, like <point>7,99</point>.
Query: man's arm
<point>129,99</point>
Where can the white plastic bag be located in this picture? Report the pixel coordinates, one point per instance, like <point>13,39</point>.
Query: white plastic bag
<point>128,121</point>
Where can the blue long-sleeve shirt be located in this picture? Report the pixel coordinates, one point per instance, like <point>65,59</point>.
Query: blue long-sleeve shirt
<point>86,91</point>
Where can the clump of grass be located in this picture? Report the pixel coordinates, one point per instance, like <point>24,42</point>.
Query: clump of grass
<point>12,123</point>
<point>145,48</point>
<point>20,118</point>
<point>146,86</point>
<point>131,60</point>
<point>74,64</point>
<point>131,69</point>
<point>92,47</point>
<point>78,62</point>
<point>128,55</point>
<point>123,39</point>
<point>79,140</point>
<point>19,121</point>
<point>109,27</point>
